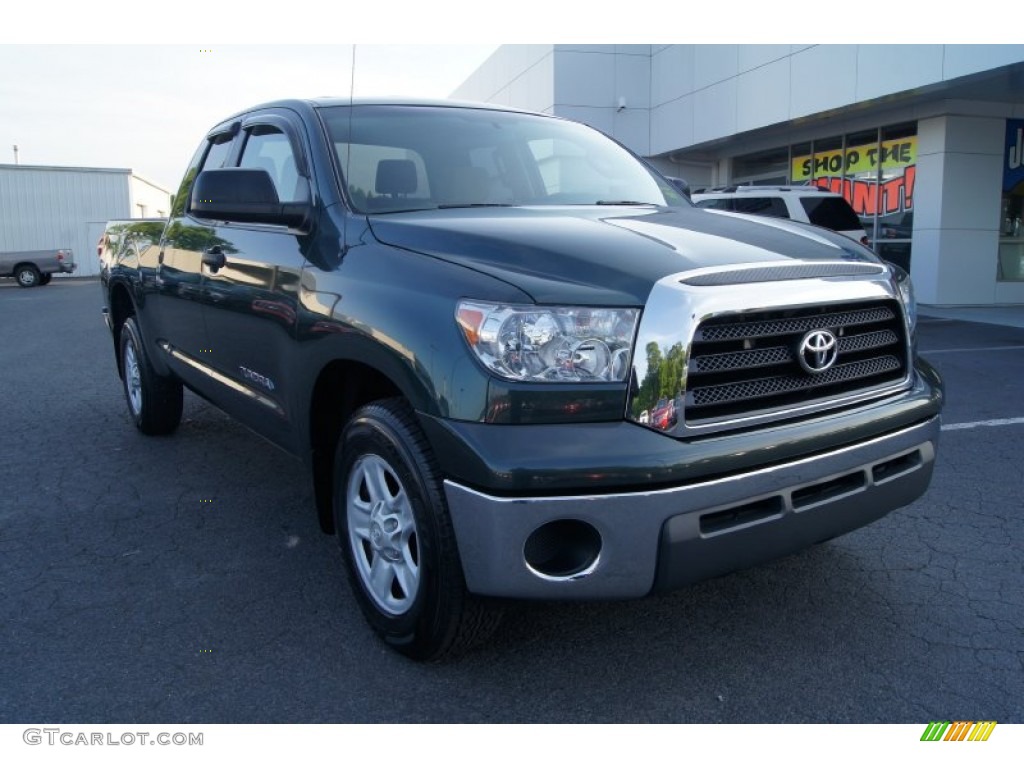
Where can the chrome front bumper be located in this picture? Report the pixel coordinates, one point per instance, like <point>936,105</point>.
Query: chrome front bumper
<point>664,538</point>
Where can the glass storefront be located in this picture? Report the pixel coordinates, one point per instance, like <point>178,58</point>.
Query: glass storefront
<point>874,170</point>
<point>1011,215</point>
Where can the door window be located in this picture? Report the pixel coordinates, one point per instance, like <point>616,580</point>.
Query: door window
<point>718,204</point>
<point>268,148</point>
<point>220,146</point>
<point>761,206</point>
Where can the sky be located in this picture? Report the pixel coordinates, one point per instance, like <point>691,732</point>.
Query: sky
<point>74,92</point>
<point>146,107</point>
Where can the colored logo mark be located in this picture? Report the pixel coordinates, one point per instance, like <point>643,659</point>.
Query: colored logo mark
<point>961,730</point>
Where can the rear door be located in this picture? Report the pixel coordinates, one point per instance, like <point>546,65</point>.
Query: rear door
<point>834,213</point>
<point>179,273</point>
<point>761,206</point>
<point>715,203</point>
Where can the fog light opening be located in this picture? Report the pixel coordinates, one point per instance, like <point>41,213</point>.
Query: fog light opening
<point>563,550</point>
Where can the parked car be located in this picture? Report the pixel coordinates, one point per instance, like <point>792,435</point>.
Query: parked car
<point>462,318</point>
<point>663,415</point>
<point>32,268</point>
<point>808,204</point>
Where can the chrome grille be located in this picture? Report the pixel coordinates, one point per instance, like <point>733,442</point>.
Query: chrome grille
<point>752,330</point>
<point>753,358</point>
<point>745,364</point>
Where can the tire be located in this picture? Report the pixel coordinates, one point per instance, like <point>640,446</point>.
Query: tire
<point>397,539</point>
<point>154,401</point>
<point>45,278</point>
<point>27,276</point>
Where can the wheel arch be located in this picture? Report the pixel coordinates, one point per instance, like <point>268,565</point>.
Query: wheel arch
<point>122,306</point>
<point>341,387</point>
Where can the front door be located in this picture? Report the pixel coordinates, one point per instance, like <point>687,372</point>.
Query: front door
<point>251,302</point>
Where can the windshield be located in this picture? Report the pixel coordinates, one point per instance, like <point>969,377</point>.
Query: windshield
<point>401,158</point>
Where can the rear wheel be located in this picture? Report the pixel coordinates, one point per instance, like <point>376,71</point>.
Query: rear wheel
<point>27,275</point>
<point>154,401</point>
<point>397,538</point>
<point>45,279</point>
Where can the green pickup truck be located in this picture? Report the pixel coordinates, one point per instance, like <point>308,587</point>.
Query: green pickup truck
<point>517,361</point>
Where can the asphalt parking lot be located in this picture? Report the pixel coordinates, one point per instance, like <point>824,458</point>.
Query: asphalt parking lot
<point>184,579</point>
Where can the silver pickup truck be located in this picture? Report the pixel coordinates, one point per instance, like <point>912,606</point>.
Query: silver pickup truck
<point>32,268</point>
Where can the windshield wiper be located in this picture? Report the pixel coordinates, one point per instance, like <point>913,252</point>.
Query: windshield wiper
<point>622,202</point>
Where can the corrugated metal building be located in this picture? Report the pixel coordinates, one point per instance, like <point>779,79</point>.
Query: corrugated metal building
<point>60,207</point>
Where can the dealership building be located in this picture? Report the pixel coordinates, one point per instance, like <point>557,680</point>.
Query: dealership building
<point>926,142</point>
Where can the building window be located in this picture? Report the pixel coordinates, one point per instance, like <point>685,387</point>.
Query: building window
<point>860,174</point>
<point>874,170</point>
<point>828,160</point>
<point>771,167</point>
<point>894,196</point>
<point>1011,214</point>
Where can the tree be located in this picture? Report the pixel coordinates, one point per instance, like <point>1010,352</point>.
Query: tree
<point>650,387</point>
<point>670,381</point>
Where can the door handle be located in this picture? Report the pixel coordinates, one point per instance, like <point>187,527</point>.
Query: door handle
<point>214,258</point>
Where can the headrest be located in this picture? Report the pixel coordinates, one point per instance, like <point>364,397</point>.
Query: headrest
<point>396,177</point>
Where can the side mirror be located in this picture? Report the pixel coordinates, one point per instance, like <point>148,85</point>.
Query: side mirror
<point>681,185</point>
<point>244,195</point>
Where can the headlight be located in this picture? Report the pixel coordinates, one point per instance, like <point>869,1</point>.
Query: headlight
<point>906,290</point>
<point>550,344</point>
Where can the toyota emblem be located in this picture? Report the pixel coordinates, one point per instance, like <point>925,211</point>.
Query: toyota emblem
<point>818,351</point>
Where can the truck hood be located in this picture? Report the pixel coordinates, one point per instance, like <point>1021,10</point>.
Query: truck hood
<point>598,255</point>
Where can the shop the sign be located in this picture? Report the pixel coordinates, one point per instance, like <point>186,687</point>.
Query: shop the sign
<point>832,170</point>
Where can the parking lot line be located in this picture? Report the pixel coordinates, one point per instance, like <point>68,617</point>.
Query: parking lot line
<point>970,349</point>
<point>988,423</point>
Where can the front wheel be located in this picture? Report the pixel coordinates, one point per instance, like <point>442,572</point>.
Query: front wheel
<point>154,401</point>
<point>397,538</point>
<point>27,276</point>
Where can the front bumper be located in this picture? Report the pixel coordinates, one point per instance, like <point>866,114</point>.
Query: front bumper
<point>664,538</point>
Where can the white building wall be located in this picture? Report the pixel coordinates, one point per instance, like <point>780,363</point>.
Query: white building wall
<point>50,207</point>
<point>678,96</point>
<point>520,76</point>
<point>956,220</point>
<point>701,93</point>
<point>607,87</point>
<point>148,200</point>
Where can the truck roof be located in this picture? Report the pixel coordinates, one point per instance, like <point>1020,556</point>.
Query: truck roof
<point>404,101</point>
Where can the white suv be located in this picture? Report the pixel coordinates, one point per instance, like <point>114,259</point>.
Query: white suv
<point>807,204</point>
